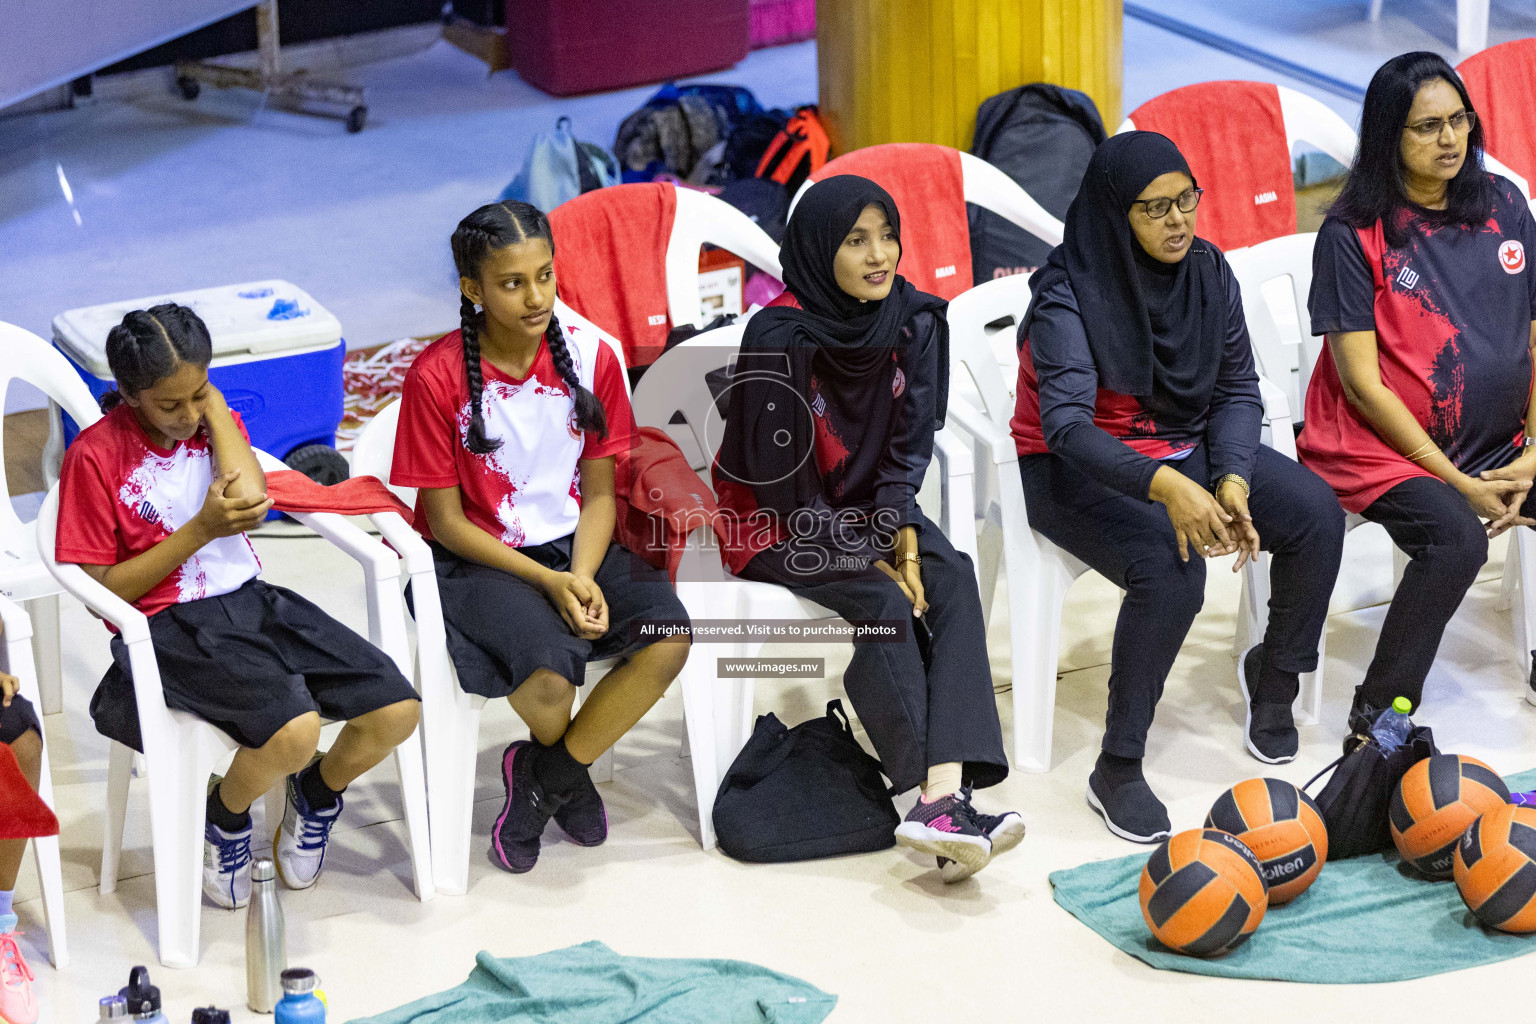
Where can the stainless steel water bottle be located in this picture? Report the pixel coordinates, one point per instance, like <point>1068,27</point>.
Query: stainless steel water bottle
<point>266,951</point>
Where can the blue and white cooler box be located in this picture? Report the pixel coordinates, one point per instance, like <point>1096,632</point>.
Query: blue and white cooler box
<point>277,357</point>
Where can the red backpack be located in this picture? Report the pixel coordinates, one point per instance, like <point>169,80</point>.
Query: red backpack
<point>797,151</point>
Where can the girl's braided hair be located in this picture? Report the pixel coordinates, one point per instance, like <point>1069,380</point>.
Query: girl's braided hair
<point>150,344</point>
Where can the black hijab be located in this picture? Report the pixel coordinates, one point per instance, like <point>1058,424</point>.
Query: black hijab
<point>1155,329</point>
<point>767,443</point>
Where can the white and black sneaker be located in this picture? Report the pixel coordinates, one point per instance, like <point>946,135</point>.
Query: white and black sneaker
<point>1269,730</point>
<point>947,828</point>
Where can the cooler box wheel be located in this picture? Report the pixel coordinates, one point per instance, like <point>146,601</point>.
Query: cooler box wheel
<point>190,87</point>
<point>356,118</point>
<point>320,462</point>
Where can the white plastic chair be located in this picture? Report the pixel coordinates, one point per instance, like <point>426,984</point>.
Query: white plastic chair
<point>1276,278</point>
<point>45,850</point>
<point>26,357</point>
<point>702,218</point>
<point>182,750</point>
<point>1306,120</point>
<point>676,383</point>
<point>991,189</point>
<point>1039,573</point>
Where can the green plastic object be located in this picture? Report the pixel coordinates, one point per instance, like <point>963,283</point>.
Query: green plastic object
<point>1402,705</point>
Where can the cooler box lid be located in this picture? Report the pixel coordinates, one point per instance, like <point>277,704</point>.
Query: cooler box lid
<point>259,319</point>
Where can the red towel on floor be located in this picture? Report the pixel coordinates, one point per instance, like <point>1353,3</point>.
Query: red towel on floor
<point>1233,135</point>
<point>292,491</point>
<point>1502,83</point>
<point>925,180</point>
<point>660,501</point>
<point>611,263</point>
<point>23,815</point>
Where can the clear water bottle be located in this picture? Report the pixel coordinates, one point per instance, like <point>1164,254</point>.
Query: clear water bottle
<point>113,1009</point>
<point>143,999</point>
<point>265,942</point>
<point>300,1005</point>
<point>1393,725</point>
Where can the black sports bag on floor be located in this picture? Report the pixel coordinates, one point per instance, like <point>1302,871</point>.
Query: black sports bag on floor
<point>1355,800</point>
<point>804,793</point>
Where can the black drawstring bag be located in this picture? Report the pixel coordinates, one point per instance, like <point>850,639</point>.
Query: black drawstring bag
<point>1355,800</point>
<point>803,793</point>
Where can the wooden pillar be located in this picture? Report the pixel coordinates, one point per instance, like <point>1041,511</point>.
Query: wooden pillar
<point>916,70</point>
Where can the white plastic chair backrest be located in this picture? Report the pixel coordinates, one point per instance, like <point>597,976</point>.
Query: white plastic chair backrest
<point>675,383</point>
<point>26,357</point>
<point>1277,275</point>
<point>1306,120</point>
<point>973,347</point>
<point>373,454</point>
<point>701,218</point>
<point>991,189</point>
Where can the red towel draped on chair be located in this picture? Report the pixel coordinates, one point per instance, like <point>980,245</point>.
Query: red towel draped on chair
<point>1502,83</point>
<point>611,263</point>
<point>23,815</point>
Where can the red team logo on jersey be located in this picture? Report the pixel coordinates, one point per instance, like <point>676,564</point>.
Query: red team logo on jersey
<point>898,383</point>
<point>1512,256</point>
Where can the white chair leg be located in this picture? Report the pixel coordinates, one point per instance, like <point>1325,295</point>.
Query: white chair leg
<point>1510,582</point>
<point>699,721</point>
<point>989,552</point>
<point>178,803</point>
<point>1399,566</point>
<point>1034,679</point>
<point>119,774</point>
<point>44,612</point>
<point>1253,606</point>
<point>413,793</point>
<point>1310,697</point>
<point>1522,551</point>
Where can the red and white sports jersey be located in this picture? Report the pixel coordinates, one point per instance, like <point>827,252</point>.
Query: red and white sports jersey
<point>120,495</point>
<point>528,491</point>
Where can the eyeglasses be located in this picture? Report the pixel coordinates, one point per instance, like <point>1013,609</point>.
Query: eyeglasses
<point>1158,208</point>
<point>1430,128</point>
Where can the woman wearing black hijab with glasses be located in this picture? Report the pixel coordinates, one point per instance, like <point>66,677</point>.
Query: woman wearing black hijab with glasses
<point>1137,428</point>
<point>1419,412</point>
<point>834,400</point>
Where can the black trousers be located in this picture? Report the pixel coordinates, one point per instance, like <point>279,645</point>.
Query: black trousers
<point>1447,544</point>
<point>926,698</point>
<point>1132,543</point>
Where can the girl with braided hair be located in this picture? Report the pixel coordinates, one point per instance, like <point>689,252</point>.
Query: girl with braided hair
<point>154,502</point>
<point>509,428</point>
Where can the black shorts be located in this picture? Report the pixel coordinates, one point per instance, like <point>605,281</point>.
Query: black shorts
<point>17,719</point>
<point>501,630</point>
<point>250,662</point>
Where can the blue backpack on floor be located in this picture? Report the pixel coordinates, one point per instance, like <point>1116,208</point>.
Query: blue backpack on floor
<point>559,167</point>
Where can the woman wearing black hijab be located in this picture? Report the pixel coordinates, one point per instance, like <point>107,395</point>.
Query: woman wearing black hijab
<point>1137,428</point>
<point>834,400</point>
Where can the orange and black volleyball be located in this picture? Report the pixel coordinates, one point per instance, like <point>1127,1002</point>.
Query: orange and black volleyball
<point>1283,828</point>
<point>1495,868</point>
<point>1203,892</point>
<point>1436,801</point>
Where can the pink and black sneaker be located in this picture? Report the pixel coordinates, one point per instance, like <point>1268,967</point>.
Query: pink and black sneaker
<point>947,828</point>
<point>515,839</point>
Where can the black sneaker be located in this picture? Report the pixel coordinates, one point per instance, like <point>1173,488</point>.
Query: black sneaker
<point>1131,810</point>
<point>1270,731</point>
<point>515,839</point>
<point>947,828</point>
<point>583,816</point>
<point>1005,831</point>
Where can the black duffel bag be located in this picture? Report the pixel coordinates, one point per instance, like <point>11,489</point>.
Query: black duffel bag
<point>803,793</point>
<point>1355,800</point>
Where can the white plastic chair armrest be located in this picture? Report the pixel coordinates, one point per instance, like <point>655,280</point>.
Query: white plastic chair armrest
<point>1496,166</point>
<point>130,622</point>
<point>988,187</point>
<point>999,442</point>
<point>1276,405</point>
<point>402,536</point>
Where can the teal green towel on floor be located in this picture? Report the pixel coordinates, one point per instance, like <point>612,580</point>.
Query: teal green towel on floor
<point>591,984</point>
<point>1363,920</point>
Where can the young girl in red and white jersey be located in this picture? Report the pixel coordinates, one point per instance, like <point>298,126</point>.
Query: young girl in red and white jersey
<point>509,428</point>
<point>154,502</point>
